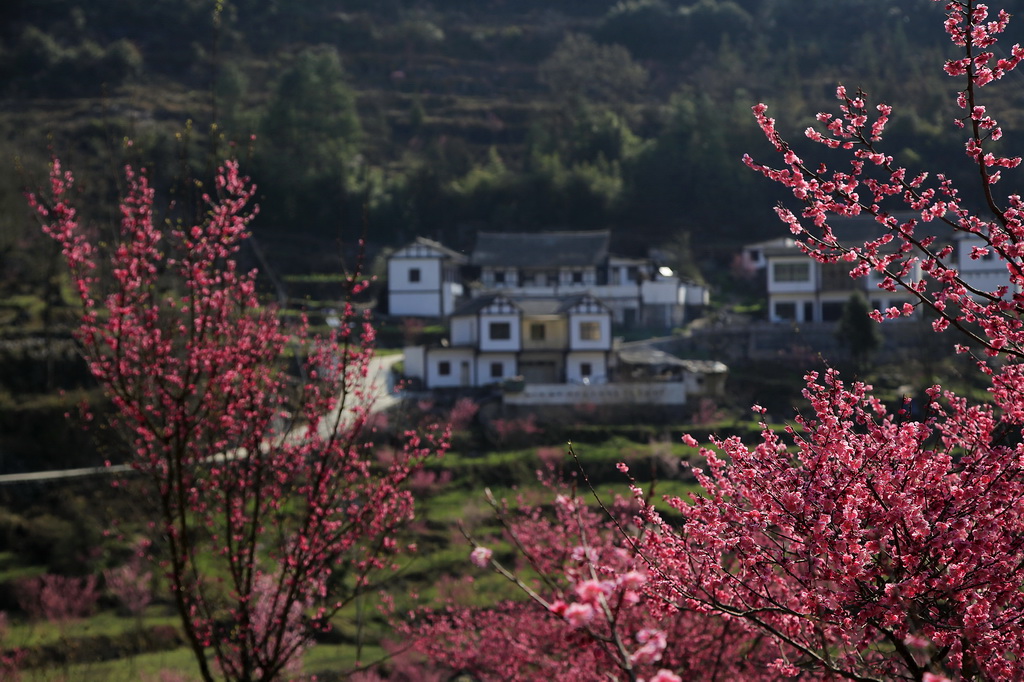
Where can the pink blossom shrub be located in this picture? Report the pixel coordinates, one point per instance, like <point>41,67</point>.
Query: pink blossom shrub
<point>11,657</point>
<point>58,598</point>
<point>131,584</point>
<point>462,413</point>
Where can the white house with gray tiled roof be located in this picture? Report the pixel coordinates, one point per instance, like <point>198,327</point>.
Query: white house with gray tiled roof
<point>801,289</point>
<point>542,340</point>
<point>424,279</point>
<point>636,291</point>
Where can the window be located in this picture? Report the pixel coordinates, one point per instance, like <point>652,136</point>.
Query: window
<point>501,331</point>
<point>537,331</point>
<point>497,370</point>
<point>808,311</point>
<point>414,275</point>
<point>444,368</point>
<point>791,272</point>
<point>577,277</point>
<point>785,311</point>
<point>552,279</point>
<point>499,277</point>
<point>590,331</point>
<point>633,273</point>
<point>586,369</point>
<point>831,311</point>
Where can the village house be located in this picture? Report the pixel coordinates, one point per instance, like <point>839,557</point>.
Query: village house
<point>426,279</point>
<point>542,340</point>
<point>800,289</point>
<point>980,267</point>
<point>530,315</point>
<point>554,351</point>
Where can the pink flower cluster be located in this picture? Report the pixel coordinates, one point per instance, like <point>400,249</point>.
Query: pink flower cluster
<point>594,612</point>
<point>481,556</point>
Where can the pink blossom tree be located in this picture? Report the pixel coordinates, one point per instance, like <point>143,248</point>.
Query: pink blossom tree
<point>863,543</point>
<point>58,598</point>
<point>273,511</point>
<point>130,583</point>
<point>10,656</point>
<point>587,608</point>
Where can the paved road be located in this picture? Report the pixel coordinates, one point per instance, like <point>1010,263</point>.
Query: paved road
<point>381,396</point>
<point>379,377</point>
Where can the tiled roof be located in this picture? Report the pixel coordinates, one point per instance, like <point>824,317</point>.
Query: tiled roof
<point>530,306</point>
<point>475,305</point>
<point>438,246</point>
<point>541,249</point>
<point>852,231</point>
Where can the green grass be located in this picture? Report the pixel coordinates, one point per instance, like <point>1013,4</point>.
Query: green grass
<point>142,667</point>
<point>11,570</point>
<point>335,658</point>
<point>436,573</point>
<point>26,634</point>
<point>316,278</point>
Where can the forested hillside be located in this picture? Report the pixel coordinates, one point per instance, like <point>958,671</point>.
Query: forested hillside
<point>440,118</point>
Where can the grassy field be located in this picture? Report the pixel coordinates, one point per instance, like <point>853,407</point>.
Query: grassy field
<point>110,646</point>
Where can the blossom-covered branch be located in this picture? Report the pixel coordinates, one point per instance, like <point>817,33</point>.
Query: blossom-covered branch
<point>273,508</point>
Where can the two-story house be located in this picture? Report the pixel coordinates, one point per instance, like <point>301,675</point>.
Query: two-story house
<point>800,289</point>
<point>636,291</point>
<point>424,279</point>
<point>980,266</point>
<point>496,337</point>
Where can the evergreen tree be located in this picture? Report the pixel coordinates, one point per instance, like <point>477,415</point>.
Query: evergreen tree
<point>857,331</point>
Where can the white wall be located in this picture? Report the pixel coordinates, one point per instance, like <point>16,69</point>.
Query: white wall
<point>422,298</point>
<point>430,274</point>
<point>986,274</point>
<point>575,361</point>
<point>460,363</point>
<point>483,364</point>
<point>450,293</point>
<point>647,393</point>
<point>426,304</point>
<point>414,360</point>
<point>694,294</point>
<point>665,291</point>
<point>464,331</point>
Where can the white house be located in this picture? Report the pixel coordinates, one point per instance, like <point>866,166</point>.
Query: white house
<point>424,279</point>
<point>496,337</point>
<point>637,291</point>
<point>985,271</point>
<point>800,289</point>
